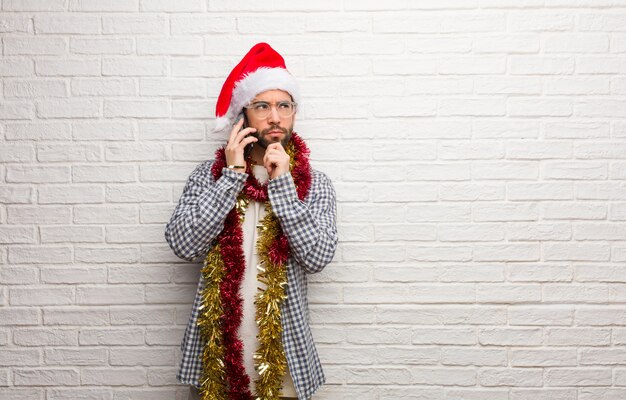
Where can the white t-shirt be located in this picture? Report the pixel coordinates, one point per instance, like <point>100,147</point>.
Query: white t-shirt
<point>249,329</point>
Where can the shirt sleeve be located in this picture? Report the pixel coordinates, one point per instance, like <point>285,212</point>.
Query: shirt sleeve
<point>201,211</point>
<point>310,225</point>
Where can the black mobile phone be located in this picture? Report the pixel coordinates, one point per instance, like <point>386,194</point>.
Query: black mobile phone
<point>248,148</point>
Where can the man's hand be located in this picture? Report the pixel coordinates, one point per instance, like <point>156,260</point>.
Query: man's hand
<point>237,142</point>
<point>276,160</point>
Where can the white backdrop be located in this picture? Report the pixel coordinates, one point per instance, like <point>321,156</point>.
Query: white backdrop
<point>477,149</point>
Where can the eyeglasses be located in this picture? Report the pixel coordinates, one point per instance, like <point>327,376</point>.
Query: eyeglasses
<point>262,109</point>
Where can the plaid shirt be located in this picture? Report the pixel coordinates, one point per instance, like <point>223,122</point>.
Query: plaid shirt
<point>311,231</point>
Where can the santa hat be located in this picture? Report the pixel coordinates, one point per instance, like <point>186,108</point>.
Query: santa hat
<point>260,70</point>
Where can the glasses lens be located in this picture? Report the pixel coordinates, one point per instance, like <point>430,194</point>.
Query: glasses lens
<point>262,109</point>
<point>285,109</point>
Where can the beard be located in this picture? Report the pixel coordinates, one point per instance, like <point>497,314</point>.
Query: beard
<point>263,142</point>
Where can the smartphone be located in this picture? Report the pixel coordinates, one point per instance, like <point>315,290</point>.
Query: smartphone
<point>248,148</point>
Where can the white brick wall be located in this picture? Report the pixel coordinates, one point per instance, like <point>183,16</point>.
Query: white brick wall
<point>477,148</point>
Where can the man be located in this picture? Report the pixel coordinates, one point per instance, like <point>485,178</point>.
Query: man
<point>262,219</point>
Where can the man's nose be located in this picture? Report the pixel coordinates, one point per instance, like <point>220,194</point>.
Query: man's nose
<point>274,117</point>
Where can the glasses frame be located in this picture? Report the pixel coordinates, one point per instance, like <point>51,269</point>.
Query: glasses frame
<point>250,107</point>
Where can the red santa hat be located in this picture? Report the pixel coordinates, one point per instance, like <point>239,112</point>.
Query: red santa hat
<point>260,70</point>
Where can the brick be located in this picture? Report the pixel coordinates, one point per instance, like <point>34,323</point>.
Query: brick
<point>439,213</point>
<point>406,274</point>
<point>68,109</point>
<point>576,252</point>
<point>184,25</point>
<point>76,356</point>
<point>578,377</point>
<point>464,356</point>
<point>19,275</point>
<point>113,377</point>
<point>599,316</point>
<point>111,294</point>
<point>512,170</point>
<point>74,275</point>
<point>35,89</point>
<point>510,336</point>
<point>140,274</point>
<point>40,255</point>
<point>142,315</point>
<point>379,336</point>
<point>17,235</point>
<point>439,253</point>
<point>38,131</point>
<point>22,394</point>
<point>19,357</point>
<point>601,393</point>
<point>67,24</point>
<point>573,86</point>
<point>174,131</point>
<point>147,357</point>
<point>539,231</point>
<point>147,394</point>
<point>14,23</point>
<point>16,67</point>
<point>533,65</point>
<point>515,129</point>
<point>36,174</point>
<point>187,46</point>
<point>16,110</point>
<point>136,152</point>
<point>196,109</point>
<point>507,252</point>
<point>138,109</point>
<point>133,23</point>
<point>71,194</point>
<point>164,336</point>
<point>144,66</point>
<point>102,131</point>
<point>15,194</point>
<point>180,87</point>
<point>605,273</point>
<point>41,296</point>
<point>102,87</point>
<point>585,211</point>
<point>509,85</point>
<point>103,173</point>
<point>79,394</point>
<point>37,337</point>
<point>525,377</point>
<point>111,336</point>
<point>35,46</point>
<point>444,336</point>
<point>46,377</point>
<point>473,394</point>
<point>578,337</point>
<point>107,254</point>
<point>576,130</point>
<point>38,215</point>
<point>540,273</point>
<point>155,213</point>
<point>77,316</point>
<point>106,5</point>
<point>19,316</point>
<point>448,376</point>
<point>68,67</point>
<point>71,233</point>
<point>532,315</point>
<point>473,274</point>
<point>378,376</point>
<point>614,356</point>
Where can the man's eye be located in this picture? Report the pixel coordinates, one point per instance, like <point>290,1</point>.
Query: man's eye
<point>284,106</point>
<point>261,106</point>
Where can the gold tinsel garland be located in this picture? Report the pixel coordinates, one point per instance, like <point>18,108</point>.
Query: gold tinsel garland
<point>270,359</point>
<point>214,377</point>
